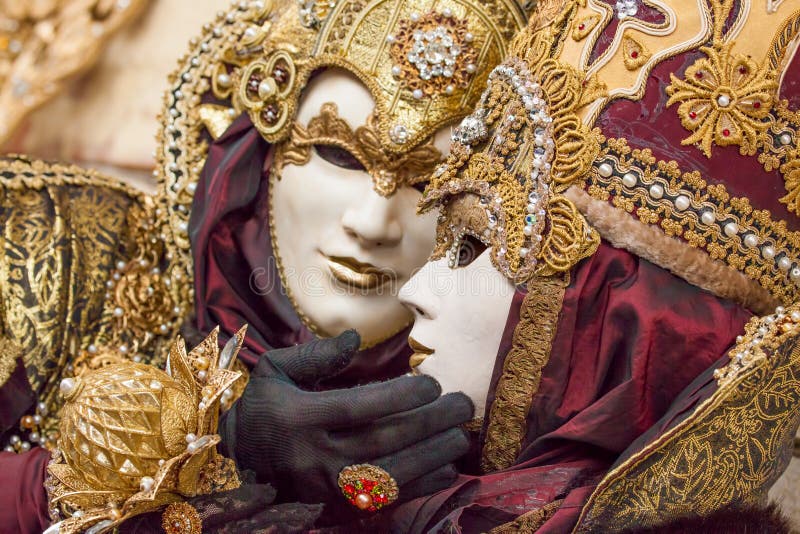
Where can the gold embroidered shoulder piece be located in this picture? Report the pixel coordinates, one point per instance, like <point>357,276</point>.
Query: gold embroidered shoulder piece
<point>729,451</point>
<point>81,284</point>
<point>43,44</point>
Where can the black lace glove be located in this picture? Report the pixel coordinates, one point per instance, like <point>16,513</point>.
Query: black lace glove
<point>298,440</point>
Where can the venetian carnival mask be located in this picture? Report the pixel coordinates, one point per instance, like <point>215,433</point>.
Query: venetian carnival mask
<point>343,219</point>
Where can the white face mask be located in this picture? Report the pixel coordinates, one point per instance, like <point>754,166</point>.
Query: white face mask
<point>344,249</point>
<point>460,315</point>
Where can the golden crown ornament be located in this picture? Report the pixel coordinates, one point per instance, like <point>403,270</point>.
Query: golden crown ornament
<point>135,439</point>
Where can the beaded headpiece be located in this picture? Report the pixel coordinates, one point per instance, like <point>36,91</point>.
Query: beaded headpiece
<point>518,152</point>
<point>424,62</point>
<point>135,438</point>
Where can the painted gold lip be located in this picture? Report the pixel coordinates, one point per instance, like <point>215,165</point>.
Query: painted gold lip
<point>356,274</point>
<point>420,352</point>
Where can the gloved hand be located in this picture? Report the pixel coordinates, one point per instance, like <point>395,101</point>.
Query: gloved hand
<point>298,440</point>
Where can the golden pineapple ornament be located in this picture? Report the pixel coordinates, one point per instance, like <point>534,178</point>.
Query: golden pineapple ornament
<point>135,439</point>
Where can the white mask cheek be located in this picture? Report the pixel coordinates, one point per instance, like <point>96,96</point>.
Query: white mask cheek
<point>474,302</point>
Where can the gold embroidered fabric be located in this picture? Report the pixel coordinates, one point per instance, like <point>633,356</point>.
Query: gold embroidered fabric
<point>257,57</point>
<point>530,522</point>
<point>43,44</point>
<point>65,231</point>
<point>683,205</point>
<point>731,449</point>
<point>522,371</point>
<point>388,170</point>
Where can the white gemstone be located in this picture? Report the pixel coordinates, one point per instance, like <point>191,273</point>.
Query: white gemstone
<point>123,349</point>
<point>119,312</point>
<point>191,448</point>
<point>449,89</point>
<point>397,71</point>
<point>795,315</point>
<point>682,203</point>
<point>120,265</point>
<point>92,349</point>
<point>67,386</point>
<point>399,134</point>
<point>469,37</point>
<point>191,438</point>
<point>785,138</point>
<point>768,252</point>
<point>724,100</point>
<point>447,12</point>
<point>731,229</point>
<point>471,68</point>
<point>784,264</point>
<point>629,180</point>
<point>147,483</point>
<point>390,39</point>
<point>795,274</point>
<point>523,252</point>
<point>223,80</point>
<point>414,17</point>
<point>708,217</point>
<point>418,94</point>
<point>656,191</point>
<point>605,170</point>
<point>751,240</point>
<point>780,310</point>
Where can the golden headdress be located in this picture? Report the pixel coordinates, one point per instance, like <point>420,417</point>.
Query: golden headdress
<point>135,438</point>
<point>424,62</point>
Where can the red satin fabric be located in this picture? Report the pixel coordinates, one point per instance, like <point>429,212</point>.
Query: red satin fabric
<point>23,501</point>
<point>630,338</point>
<point>234,262</point>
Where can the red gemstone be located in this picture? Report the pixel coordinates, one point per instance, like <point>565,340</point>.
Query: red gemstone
<point>726,132</point>
<point>692,115</point>
<point>699,75</point>
<point>634,54</point>
<point>742,70</point>
<point>581,26</point>
<point>756,104</point>
<point>280,75</point>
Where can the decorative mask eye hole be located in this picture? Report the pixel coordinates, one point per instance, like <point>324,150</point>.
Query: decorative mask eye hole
<point>339,157</point>
<point>467,250</point>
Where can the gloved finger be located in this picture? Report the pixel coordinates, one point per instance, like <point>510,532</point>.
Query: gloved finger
<point>425,457</point>
<point>430,483</point>
<point>402,430</point>
<point>348,408</point>
<point>310,362</point>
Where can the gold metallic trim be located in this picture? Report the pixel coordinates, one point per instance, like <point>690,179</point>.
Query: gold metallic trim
<point>522,371</point>
<point>729,450</point>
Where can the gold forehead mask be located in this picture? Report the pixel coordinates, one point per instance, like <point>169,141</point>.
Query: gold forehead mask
<point>388,170</point>
<point>423,61</point>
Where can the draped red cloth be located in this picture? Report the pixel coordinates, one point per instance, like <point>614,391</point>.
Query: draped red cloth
<point>23,500</point>
<point>236,277</point>
<point>634,348</point>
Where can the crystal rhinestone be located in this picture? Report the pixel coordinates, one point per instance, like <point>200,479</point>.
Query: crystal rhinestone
<point>530,219</point>
<point>795,274</point>
<point>751,240</point>
<point>768,252</point>
<point>731,229</point>
<point>398,134</point>
<point>795,315</point>
<point>605,170</point>
<point>471,130</point>
<point>523,252</point>
<point>784,264</point>
<point>656,191</point>
<point>629,180</point>
<point>682,203</point>
<point>708,217</point>
<point>418,94</point>
<point>532,208</point>
<point>533,198</point>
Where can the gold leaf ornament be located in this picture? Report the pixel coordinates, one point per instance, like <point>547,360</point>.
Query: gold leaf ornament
<point>135,438</point>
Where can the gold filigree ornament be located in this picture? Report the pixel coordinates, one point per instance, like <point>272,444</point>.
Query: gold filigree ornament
<point>43,44</point>
<point>518,152</point>
<point>257,57</point>
<point>135,439</point>
<point>725,99</point>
